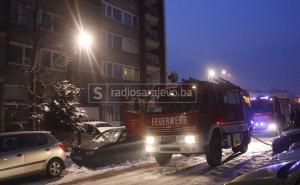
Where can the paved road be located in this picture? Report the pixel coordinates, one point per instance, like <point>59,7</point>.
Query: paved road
<point>192,170</point>
<point>182,170</point>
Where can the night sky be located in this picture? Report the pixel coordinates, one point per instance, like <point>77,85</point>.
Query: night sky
<point>258,41</point>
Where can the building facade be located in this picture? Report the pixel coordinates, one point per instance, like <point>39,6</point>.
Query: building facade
<point>128,46</point>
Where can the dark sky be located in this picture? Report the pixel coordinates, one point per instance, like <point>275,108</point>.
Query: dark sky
<point>258,41</point>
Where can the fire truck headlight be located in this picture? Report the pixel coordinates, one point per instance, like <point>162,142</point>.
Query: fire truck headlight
<point>150,140</point>
<point>149,149</point>
<point>190,139</point>
<point>272,126</point>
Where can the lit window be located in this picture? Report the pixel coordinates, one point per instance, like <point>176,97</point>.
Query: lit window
<point>128,73</point>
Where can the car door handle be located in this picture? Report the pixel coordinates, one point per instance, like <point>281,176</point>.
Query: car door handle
<point>47,149</point>
<point>19,155</point>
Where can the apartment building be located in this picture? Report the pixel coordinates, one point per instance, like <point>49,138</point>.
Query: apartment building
<point>128,46</point>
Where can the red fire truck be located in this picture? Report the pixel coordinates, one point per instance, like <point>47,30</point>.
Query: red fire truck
<point>218,118</point>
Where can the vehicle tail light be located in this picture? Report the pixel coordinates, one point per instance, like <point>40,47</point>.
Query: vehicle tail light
<point>62,146</point>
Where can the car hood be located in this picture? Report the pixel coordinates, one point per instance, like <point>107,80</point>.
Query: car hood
<point>262,176</point>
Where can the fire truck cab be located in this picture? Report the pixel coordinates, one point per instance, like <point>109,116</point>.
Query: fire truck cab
<point>218,118</point>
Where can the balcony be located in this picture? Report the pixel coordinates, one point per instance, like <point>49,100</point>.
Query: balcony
<point>152,33</point>
<point>152,59</point>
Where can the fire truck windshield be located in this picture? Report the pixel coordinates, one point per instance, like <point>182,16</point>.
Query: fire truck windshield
<point>262,106</point>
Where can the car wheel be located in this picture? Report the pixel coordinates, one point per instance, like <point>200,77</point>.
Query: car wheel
<point>163,159</point>
<point>54,168</point>
<point>214,153</point>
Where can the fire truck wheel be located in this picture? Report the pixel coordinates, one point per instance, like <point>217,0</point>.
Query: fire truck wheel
<point>163,159</point>
<point>241,148</point>
<point>214,153</point>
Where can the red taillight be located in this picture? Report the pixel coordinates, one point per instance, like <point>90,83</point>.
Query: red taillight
<point>220,122</point>
<point>62,146</point>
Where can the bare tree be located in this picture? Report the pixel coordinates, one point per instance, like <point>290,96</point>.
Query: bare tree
<point>34,16</point>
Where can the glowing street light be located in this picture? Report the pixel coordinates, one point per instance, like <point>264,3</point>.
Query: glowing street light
<point>224,72</point>
<point>211,74</point>
<point>84,40</point>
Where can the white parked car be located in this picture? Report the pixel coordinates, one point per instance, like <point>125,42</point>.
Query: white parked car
<point>23,153</point>
<point>291,155</point>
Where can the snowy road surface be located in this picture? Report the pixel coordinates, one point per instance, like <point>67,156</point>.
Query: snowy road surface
<point>182,170</point>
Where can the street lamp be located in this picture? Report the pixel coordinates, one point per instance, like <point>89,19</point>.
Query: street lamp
<point>84,40</point>
<point>211,74</point>
<point>224,72</point>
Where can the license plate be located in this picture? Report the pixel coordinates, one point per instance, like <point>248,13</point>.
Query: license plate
<point>168,138</point>
<point>78,157</point>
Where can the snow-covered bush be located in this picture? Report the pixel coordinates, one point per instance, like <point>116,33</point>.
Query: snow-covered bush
<point>64,109</point>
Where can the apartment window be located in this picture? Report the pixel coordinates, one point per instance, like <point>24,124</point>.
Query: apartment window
<point>46,21</point>
<point>2,4</point>
<point>109,70</point>
<point>58,61</point>
<point>127,19</point>
<point>27,16</point>
<point>135,22</point>
<point>117,14</point>
<point>128,73</point>
<point>14,13</point>
<point>131,73</point>
<point>108,40</point>
<point>117,71</point>
<point>130,46</point>
<point>113,41</point>
<point>16,54</point>
<point>45,59</point>
<point>108,11</point>
<point>58,24</point>
<point>117,42</point>
<point>28,55</point>
<point>136,74</point>
<point>15,92</point>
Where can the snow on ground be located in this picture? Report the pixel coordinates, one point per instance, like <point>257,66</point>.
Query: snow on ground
<point>191,170</point>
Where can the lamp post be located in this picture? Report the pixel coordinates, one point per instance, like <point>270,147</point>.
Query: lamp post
<point>84,40</point>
